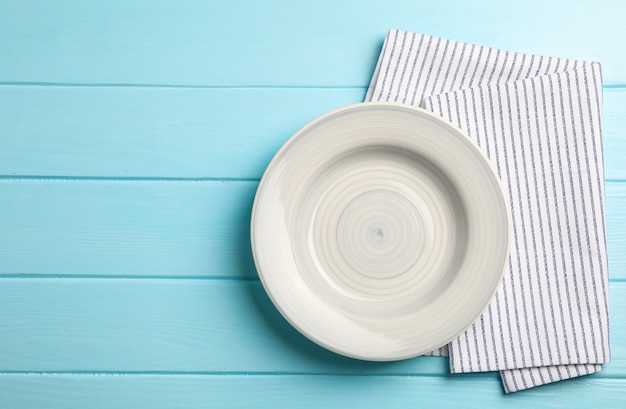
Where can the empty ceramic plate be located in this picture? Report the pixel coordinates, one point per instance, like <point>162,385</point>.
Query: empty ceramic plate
<point>380,231</point>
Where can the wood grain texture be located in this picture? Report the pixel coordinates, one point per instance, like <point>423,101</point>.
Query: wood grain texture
<point>153,132</point>
<point>158,228</point>
<point>126,228</point>
<point>614,133</point>
<point>280,42</point>
<point>183,132</point>
<point>156,325</point>
<point>161,325</point>
<point>240,391</point>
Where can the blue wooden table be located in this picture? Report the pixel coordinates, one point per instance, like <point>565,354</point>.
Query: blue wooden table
<point>132,138</point>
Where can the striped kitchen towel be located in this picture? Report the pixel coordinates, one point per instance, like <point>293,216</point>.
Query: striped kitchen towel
<point>538,119</point>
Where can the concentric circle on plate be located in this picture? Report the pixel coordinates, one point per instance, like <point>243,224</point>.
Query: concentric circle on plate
<point>380,231</point>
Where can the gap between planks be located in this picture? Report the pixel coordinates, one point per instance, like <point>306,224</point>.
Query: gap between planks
<point>8,276</point>
<point>249,86</point>
<point>129,85</point>
<point>156,179</point>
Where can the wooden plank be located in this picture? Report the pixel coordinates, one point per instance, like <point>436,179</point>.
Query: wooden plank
<point>126,228</point>
<point>183,133</point>
<point>161,325</point>
<point>614,128</point>
<point>278,42</point>
<point>153,132</point>
<point>158,228</point>
<point>174,325</point>
<point>616,228</point>
<point>241,391</point>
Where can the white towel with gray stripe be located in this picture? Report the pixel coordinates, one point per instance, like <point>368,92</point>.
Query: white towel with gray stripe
<point>539,121</point>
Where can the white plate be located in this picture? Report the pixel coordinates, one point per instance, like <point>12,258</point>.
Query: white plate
<point>380,231</point>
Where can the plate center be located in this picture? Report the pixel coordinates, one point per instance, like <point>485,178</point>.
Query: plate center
<point>380,234</point>
<point>381,231</point>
